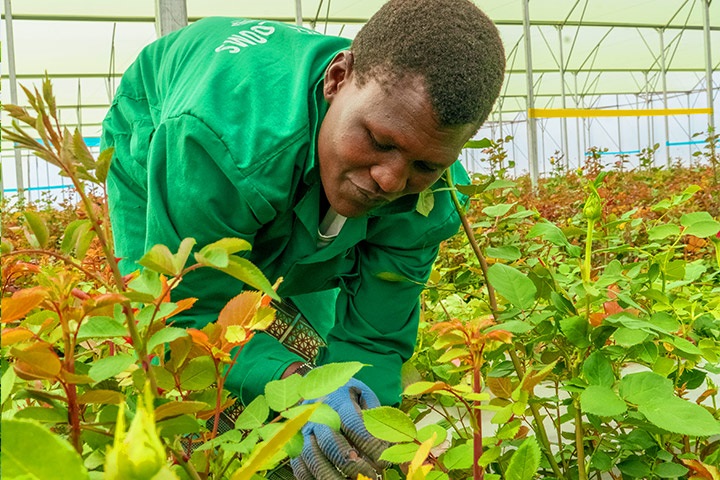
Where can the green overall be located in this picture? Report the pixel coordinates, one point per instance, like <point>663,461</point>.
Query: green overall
<point>214,128</point>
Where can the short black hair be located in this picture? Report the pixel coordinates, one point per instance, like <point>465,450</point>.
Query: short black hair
<point>451,44</point>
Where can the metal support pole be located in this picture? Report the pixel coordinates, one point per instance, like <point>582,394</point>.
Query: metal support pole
<point>170,15</point>
<point>637,121</point>
<point>13,93</point>
<point>647,106</point>
<point>690,132</point>
<point>298,13</point>
<point>619,126</point>
<point>563,131</point>
<point>579,134</point>
<point>532,125</point>
<point>663,68</point>
<point>708,63</point>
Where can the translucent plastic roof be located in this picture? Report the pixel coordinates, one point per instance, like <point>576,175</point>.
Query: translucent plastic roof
<point>608,46</point>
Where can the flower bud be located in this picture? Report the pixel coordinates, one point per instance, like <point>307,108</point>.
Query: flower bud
<point>138,454</point>
<point>593,205</point>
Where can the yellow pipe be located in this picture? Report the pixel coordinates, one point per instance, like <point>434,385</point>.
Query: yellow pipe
<point>593,112</point>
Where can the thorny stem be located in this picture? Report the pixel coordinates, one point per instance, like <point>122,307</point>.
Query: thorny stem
<point>493,305</point>
<point>187,466</point>
<point>478,471</point>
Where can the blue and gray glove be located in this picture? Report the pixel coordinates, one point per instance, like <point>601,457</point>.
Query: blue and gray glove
<point>328,454</point>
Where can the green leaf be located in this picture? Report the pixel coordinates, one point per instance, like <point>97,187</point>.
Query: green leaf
<point>516,287</point>
<point>703,229</point>
<point>663,231</point>
<point>627,337</point>
<point>400,453</point>
<point>181,257</point>
<point>507,252</point>
<point>230,245</point>
<point>459,457</point>
<point>182,425</point>
<point>262,455</point>
<point>685,346</point>
<point>101,327</point>
<point>148,282</point>
<point>390,424</point>
<point>218,254</point>
<point>426,202</point>
<point>482,143</point>
<point>549,232</point>
<point>602,401</point>
<point>107,367</point>
<point>102,166</point>
<point>85,235</point>
<point>670,470</point>
<point>198,374</point>
<point>575,330</point>
<point>598,370</point>
<point>24,440</point>
<point>166,335</point>
<point>244,270</point>
<point>525,461</point>
<point>426,433</point>
<point>498,210</point>
<point>6,385</point>
<point>634,467</point>
<point>327,378</point>
<point>159,259</point>
<point>690,218</point>
<point>42,415</point>
<point>38,227</point>
<point>323,414</point>
<point>284,393</point>
<point>512,326</point>
<point>254,414</point>
<point>680,416</point>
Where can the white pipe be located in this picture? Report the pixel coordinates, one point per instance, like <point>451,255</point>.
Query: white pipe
<point>663,67</point>
<point>532,125</point>
<point>564,131</point>
<point>13,92</point>
<point>708,63</point>
<point>298,13</point>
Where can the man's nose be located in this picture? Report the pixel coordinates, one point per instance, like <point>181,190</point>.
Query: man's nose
<point>391,175</point>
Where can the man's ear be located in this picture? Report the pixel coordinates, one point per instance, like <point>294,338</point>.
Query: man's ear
<point>337,74</point>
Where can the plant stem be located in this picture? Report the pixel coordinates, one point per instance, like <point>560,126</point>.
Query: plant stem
<point>64,259</point>
<point>588,252</point>
<point>187,466</point>
<point>579,441</point>
<point>478,471</point>
<point>540,427</point>
<point>473,242</point>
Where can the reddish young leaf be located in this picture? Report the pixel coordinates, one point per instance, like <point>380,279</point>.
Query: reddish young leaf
<point>20,304</point>
<point>11,336</point>
<point>38,361</point>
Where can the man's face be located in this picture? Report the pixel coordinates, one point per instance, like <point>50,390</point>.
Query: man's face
<point>380,142</point>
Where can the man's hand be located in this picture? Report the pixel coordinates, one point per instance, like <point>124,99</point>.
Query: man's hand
<point>327,454</point>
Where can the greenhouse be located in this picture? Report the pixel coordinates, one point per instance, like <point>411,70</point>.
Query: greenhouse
<point>327,239</point>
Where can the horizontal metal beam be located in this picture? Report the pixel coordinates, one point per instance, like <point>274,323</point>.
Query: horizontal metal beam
<point>515,71</point>
<point>66,75</point>
<point>355,20</point>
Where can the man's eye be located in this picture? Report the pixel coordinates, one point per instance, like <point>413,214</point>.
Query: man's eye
<point>379,146</point>
<point>425,167</point>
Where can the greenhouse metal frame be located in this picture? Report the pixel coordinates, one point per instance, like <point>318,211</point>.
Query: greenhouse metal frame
<point>580,73</point>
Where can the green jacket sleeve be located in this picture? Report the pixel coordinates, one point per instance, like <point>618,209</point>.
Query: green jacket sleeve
<point>184,185</point>
<point>377,320</point>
